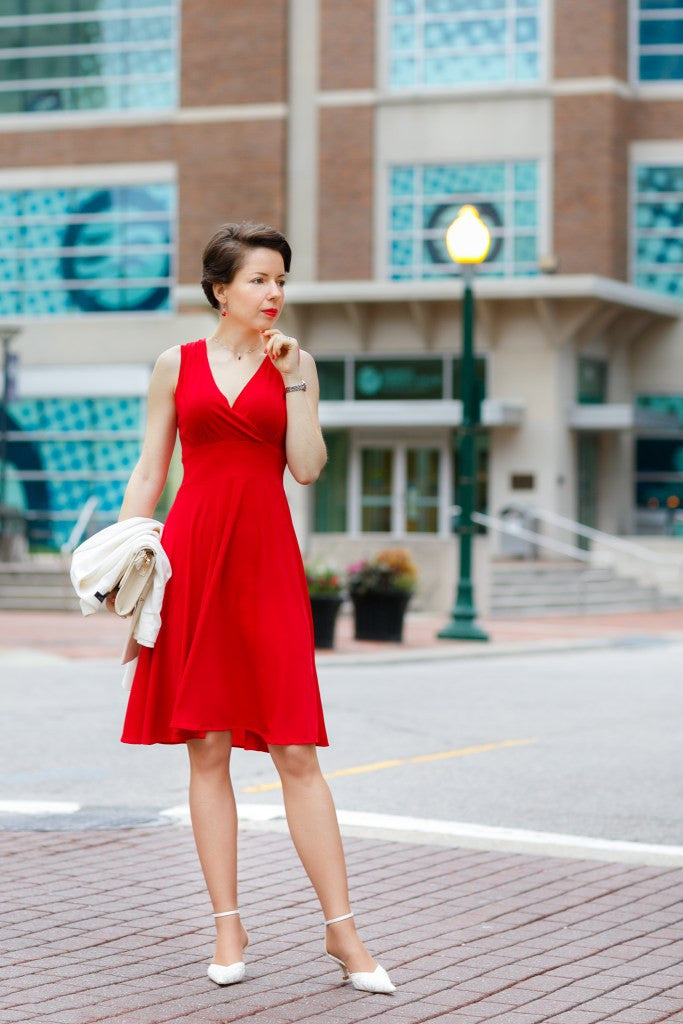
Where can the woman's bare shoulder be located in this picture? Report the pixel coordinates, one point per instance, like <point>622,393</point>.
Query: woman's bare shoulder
<point>167,368</point>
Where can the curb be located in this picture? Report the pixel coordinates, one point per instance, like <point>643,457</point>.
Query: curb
<point>432,831</point>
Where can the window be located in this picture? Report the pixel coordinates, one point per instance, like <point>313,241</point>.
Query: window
<point>329,493</point>
<point>592,381</point>
<point>87,55</point>
<point>437,43</point>
<point>659,31</point>
<point>63,450</point>
<point>424,199</point>
<point>658,228</point>
<point>87,249</point>
<point>377,485</point>
<point>659,471</point>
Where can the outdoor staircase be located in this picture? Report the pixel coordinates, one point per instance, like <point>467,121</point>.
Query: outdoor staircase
<point>519,589</point>
<point>42,584</point>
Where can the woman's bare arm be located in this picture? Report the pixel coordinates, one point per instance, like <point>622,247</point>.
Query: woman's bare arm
<point>305,447</point>
<point>149,475</point>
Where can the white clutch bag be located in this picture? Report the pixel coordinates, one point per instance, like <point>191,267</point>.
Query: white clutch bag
<point>135,582</point>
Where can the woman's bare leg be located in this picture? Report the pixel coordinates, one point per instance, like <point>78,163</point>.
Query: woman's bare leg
<point>214,823</point>
<point>313,827</point>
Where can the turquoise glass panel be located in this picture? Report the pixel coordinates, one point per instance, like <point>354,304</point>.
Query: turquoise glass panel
<point>395,379</point>
<point>463,42</point>
<point>95,249</point>
<point>661,33</point>
<point>331,378</point>
<point>402,181</point>
<point>505,195</point>
<point>130,61</point>
<point>53,478</point>
<point>330,498</point>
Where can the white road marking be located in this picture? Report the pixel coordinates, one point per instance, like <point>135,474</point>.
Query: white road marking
<point>38,807</point>
<point>460,833</point>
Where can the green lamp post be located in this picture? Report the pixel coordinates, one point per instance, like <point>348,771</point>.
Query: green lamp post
<point>468,241</point>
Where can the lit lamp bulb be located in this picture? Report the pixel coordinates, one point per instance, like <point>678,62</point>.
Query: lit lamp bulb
<point>468,239</point>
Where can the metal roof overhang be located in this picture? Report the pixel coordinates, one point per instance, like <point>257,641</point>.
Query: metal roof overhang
<point>437,413</point>
<point>614,416</point>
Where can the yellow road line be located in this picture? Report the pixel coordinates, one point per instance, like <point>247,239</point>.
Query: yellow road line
<point>379,766</point>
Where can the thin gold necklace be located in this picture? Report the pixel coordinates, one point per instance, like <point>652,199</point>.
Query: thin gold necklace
<point>238,354</point>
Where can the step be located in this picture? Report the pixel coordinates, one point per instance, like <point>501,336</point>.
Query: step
<point>575,586</point>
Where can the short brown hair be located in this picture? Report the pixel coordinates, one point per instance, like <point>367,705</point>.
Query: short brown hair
<point>225,252</point>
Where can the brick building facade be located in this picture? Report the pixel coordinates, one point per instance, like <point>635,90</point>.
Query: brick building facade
<point>358,128</point>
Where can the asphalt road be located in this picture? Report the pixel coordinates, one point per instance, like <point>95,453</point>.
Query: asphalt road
<point>604,758</point>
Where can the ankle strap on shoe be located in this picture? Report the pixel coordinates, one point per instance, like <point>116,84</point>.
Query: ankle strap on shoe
<point>342,918</point>
<point>226,913</point>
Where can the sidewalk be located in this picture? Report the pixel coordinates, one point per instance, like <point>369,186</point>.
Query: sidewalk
<point>115,926</point>
<point>102,635</point>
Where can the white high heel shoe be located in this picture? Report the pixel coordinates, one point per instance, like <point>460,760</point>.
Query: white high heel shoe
<point>232,973</point>
<point>365,981</point>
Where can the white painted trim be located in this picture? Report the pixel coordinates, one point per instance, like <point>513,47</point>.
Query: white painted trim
<point>232,112</point>
<point>149,173</point>
<point>73,119</point>
<point>620,416</point>
<point>597,85</point>
<point>347,98</point>
<point>302,147</point>
<point>437,412</point>
<point>548,286</point>
<point>657,151</point>
<point>434,413</point>
<point>100,379</point>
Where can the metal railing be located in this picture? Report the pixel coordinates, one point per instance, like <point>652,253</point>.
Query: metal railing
<point>651,568</point>
<point>80,526</point>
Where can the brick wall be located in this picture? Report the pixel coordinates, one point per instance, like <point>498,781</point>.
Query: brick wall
<point>347,44</point>
<point>591,184</point>
<point>233,52</point>
<point>345,193</point>
<point>232,171</point>
<point>591,38</point>
<point>226,171</point>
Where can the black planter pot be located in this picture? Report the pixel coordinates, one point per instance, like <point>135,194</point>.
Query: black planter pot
<point>379,615</point>
<point>325,608</point>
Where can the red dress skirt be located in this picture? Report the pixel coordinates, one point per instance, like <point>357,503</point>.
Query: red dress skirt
<point>235,649</point>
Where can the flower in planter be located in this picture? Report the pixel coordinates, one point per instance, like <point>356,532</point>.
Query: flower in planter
<point>389,571</point>
<point>324,580</point>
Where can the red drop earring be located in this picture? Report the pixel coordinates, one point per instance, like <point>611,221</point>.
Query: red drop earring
<point>224,311</point>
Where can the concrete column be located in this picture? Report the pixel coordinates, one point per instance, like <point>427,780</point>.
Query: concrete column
<point>302,136</point>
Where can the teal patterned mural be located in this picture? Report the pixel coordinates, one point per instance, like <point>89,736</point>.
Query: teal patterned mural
<point>62,450</point>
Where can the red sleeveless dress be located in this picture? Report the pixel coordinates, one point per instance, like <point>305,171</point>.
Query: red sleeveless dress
<point>235,649</point>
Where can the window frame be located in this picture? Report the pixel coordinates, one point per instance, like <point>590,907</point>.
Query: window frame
<point>171,8</point>
<point>653,154</point>
<point>386,88</point>
<point>103,176</point>
<point>399,444</point>
<point>653,88</point>
<point>543,203</point>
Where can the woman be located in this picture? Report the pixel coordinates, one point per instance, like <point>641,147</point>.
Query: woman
<point>233,663</point>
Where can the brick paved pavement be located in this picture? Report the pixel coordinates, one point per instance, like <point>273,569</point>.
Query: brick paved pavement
<point>102,635</point>
<point>115,926</point>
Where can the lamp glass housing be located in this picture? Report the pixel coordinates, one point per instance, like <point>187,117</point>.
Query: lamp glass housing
<point>468,239</point>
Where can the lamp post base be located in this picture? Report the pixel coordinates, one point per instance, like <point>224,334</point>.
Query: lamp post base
<point>462,627</point>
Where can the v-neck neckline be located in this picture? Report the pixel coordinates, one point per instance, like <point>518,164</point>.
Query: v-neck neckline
<point>213,379</point>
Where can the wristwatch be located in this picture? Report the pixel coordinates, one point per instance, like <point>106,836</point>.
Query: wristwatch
<point>297,387</point>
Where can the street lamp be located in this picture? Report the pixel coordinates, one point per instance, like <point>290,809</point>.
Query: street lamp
<point>468,240</point>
